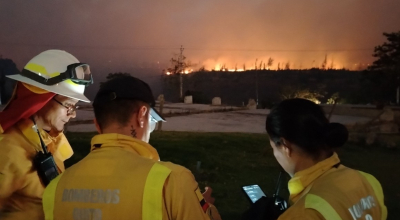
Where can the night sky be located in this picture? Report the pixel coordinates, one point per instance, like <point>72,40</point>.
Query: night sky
<point>120,35</point>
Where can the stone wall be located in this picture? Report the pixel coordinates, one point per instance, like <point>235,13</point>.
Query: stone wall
<point>359,110</point>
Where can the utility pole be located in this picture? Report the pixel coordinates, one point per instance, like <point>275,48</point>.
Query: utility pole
<point>180,65</point>
<point>257,88</point>
<point>255,69</point>
<point>398,91</point>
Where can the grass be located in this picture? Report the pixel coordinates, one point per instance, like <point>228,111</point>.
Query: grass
<point>231,160</point>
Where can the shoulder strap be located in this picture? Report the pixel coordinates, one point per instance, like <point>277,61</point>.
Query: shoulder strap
<point>325,209</point>
<point>376,186</point>
<point>319,204</point>
<point>153,189</point>
<point>322,206</point>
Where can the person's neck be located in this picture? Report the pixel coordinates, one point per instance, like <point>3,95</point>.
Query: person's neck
<point>309,161</point>
<point>304,164</point>
<point>114,128</point>
<point>40,123</point>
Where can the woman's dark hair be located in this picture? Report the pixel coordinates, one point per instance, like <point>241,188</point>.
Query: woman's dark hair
<point>304,123</point>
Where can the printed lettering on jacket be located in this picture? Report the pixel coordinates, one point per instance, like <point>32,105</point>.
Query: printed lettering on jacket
<point>106,196</point>
<point>87,214</point>
<point>358,210</point>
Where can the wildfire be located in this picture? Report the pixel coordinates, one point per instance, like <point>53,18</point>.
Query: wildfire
<point>268,63</point>
<point>281,62</point>
<point>186,71</point>
<point>282,66</point>
<point>219,68</point>
<point>235,70</point>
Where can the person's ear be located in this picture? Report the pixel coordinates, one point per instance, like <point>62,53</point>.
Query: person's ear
<point>287,147</point>
<point>97,126</point>
<point>141,116</point>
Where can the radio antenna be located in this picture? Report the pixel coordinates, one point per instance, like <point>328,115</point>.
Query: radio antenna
<point>278,185</point>
<point>40,137</point>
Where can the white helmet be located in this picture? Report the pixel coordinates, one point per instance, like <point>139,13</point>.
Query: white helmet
<point>57,71</point>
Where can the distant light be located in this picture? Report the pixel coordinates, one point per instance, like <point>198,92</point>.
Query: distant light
<point>168,73</point>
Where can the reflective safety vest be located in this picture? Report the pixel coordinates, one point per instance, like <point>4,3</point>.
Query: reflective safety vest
<point>328,190</point>
<point>329,213</point>
<point>151,207</point>
<point>122,178</point>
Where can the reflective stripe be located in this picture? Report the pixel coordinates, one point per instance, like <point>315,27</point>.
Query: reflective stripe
<point>321,206</point>
<point>49,198</point>
<point>153,189</point>
<point>39,69</point>
<point>152,208</point>
<point>376,186</point>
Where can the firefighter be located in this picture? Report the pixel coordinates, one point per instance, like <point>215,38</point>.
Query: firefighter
<point>122,177</point>
<point>303,142</point>
<point>32,123</point>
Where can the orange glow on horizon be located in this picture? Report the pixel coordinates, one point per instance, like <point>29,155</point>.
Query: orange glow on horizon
<point>186,71</point>
<point>334,61</point>
<point>282,66</point>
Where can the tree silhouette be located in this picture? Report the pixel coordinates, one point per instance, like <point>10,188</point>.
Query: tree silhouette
<point>179,63</point>
<point>383,77</point>
<point>301,91</point>
<point>270,62</point>
<point>388,54</point>
<point>324,63</point>
<point>178,67</point>
<point>287,66</point>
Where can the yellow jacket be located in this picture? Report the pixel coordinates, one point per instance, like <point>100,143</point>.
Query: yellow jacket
<point>122,178</point>
<point>329,189</point>
<point>20,187</point>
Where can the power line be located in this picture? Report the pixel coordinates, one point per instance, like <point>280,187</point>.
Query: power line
<point>89,46</point>
<point>190,48</point>
<point>284,50</point>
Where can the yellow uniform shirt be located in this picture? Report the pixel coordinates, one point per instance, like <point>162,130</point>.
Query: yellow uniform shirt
<point>110,183</point>
<point>20,187</point>
<point>329,189</point>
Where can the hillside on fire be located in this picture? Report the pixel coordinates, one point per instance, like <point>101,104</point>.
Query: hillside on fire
<point>270,86</point>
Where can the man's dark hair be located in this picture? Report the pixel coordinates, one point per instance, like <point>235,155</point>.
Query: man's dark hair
<point>117,111</point>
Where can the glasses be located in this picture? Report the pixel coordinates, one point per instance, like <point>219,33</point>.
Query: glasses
<point>70,108</point>
<point>152,123</point>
